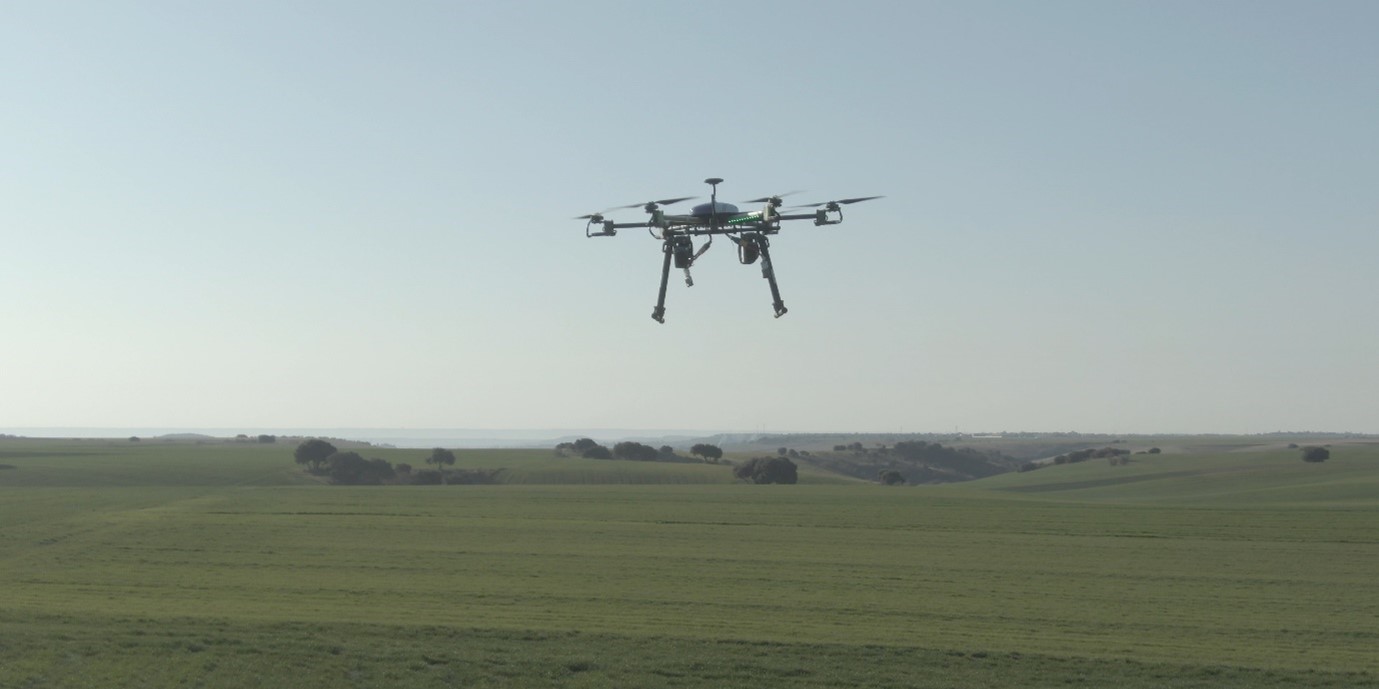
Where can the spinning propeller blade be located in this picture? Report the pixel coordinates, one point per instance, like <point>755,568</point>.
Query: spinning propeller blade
<point>662,202</point>
<point>840,201</point>
<point>649,206</point>
<point>764,199</point>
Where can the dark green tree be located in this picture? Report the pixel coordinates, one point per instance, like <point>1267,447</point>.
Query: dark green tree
<point>1315,454</point>
<point>441,458</point>
<point>313,454</point>
<point>348,468</point>
<point>635,451</point>
<point>597,452</point>
<point>428,477</point>
<point>710,453</point>
<point>891,477</point>
<point>767,470</point>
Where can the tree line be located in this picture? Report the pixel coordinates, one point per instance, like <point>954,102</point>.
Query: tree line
<point>1114,455</point>
<point>911,461</point>
<point>588,448</point>
<point>759,470</point>
<point>320,458</point>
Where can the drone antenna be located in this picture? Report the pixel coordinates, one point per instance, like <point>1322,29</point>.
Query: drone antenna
<point>713,201</point>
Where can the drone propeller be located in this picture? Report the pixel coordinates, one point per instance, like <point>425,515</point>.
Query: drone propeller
<point>839,202</point>
<point>648,206</point>
<point>652,205</point>
<point>775,198</point>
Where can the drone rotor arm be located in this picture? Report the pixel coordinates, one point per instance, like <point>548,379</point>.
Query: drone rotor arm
<point>608,228</point>
<point>822,215</point>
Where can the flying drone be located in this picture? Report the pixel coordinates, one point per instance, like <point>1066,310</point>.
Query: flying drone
<point>747,229</point>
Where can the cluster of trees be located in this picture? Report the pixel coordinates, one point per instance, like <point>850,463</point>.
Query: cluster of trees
<point>921,452</point>
<point>637,452</point>
<point>349,468</point>
<point>1315,454</point>
<point>891,477</point>
<point>321,458</point>
<point>1090,453</point>
<point>768,470</point>
<point>934,453</point>
<point>962,461</point>
<point>709,453</point>
<point>584,447</point>
<point>913,461</point>
<point>1124,459</point>
<point>634,451</point>
<point>1115,455</point>
<point>778,469</point>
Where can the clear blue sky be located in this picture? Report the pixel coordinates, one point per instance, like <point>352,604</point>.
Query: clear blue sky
<point>1099,216</point>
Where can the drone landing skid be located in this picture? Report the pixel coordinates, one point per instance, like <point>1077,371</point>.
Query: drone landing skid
<point>759,247</point>
<point>768,271</point>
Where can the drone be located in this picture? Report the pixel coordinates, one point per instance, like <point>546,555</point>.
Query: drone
<point>747,229</point>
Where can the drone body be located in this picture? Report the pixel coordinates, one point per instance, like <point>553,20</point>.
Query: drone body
<point>747,229</point>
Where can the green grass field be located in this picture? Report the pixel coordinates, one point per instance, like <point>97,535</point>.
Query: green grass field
<point>220,565</point>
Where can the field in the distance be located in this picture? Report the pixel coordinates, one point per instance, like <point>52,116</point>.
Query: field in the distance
<point>145,564</point>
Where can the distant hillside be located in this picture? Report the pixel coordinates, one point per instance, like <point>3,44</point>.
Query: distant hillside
<point>1221,477</point>
<point>1191,469</point>
<point>916,461</point>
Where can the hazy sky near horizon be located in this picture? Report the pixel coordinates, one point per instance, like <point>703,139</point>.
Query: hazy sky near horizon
<point>1099,216</point>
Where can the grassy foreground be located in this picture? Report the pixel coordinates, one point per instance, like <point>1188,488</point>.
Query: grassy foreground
<point>220,565</point>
